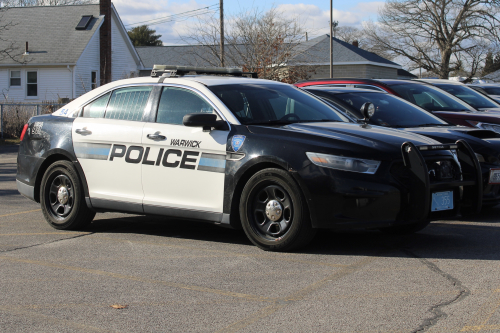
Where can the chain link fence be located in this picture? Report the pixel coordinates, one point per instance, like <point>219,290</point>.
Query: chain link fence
<point>13,116</point>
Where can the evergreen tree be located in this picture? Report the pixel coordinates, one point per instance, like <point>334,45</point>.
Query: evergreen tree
<point>144,36</point>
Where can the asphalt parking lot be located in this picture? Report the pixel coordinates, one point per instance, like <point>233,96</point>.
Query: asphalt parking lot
<point>130,273</point>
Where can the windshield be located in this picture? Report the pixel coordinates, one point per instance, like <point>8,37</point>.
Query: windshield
<point>492,90</point>
<point>430,98</point>
<point>469,95</point>
<point>390,111</point>
<point>274,104</point>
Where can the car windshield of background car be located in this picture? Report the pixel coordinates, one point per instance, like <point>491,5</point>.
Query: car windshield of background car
<point>430,98</point>
<point>492,90</point>
<point>274,104</point>
<point>469,95</point>
<point>391,111</point>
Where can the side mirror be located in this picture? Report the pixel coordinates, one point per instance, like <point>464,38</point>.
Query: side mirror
<point>367,110</point>
<point>205,120</point>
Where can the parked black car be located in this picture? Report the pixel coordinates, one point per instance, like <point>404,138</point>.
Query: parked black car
<point>395,112</point>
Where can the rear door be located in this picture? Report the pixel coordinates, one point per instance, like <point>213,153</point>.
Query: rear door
<point>107,142</point>
<point>183,174</point>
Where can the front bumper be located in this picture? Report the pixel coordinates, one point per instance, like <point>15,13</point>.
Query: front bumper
<point>340,199</point>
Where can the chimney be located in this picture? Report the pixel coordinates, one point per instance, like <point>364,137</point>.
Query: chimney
<point>26,50</point>
<point>355,43</point>
<point>105,41</point>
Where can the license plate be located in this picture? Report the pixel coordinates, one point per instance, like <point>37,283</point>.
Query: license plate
<point>442,201</point>
<point>494,176</point>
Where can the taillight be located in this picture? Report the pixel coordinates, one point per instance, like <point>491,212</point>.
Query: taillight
<point>24,131</point>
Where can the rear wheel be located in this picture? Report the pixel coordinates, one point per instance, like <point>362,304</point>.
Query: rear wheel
<point>62,198</point>
<point>273,213</point>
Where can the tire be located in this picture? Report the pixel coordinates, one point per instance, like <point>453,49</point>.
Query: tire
<point>407,228</point>
<point>62,198</point>
<point>287,227</point>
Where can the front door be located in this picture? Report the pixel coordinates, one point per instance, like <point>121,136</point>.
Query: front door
<point>107,142</point>
<point>183,174</point>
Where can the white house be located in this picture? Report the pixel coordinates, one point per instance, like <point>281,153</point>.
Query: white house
<point>63,51</point>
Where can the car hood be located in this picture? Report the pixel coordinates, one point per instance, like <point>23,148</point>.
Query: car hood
<point>482,116</point>
<point>373,137</point>
<point>484,142</point>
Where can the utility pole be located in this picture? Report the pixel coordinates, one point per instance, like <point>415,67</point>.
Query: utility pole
<point>331,39</point>
<point>221,12</point>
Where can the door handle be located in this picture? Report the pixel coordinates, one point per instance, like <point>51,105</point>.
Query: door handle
<point>83,131</point>
<point>156,136</point>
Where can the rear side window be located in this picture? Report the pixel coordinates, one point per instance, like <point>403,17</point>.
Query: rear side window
<point>128,103</point>
<point>96,108</point>
<point>175,103</point>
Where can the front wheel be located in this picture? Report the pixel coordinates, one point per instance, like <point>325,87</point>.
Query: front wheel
<point>62,198</point>
<point>273,213</point>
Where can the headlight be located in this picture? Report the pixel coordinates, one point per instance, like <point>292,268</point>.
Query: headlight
<point>344,163</point>
<point>486,126</point>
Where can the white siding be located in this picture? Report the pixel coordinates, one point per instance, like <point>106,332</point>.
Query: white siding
<point>53,83</point>
<point>122,61</point>
<point>88,62</point>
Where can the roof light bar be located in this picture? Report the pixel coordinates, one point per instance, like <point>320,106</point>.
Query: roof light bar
<point>169,71</point>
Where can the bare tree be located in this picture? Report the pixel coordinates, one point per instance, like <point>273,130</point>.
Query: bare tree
<point>349,34</point>
<point>435,35</point>
<point>262,42</point>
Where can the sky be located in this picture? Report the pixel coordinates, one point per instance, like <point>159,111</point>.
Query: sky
<point>313,15</point>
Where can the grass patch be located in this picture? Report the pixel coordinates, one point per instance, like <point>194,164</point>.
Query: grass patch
<point>14,141</point>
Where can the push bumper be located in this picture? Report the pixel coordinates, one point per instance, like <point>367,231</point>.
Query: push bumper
<point>344,200</point>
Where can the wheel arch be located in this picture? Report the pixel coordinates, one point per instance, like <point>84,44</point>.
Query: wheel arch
<point>241,181</point>
<point>54,156</point>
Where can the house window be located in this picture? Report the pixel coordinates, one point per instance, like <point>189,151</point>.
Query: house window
<point>32,84</point>
<point>93,80</point>
<point>15,78</point>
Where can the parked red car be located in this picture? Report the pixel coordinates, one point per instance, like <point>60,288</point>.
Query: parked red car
<point>426,96</point>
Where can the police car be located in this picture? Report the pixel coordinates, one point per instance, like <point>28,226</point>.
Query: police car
<point>239,152</point>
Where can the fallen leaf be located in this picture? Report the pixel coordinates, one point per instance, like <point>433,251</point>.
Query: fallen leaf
<point>118,306</point>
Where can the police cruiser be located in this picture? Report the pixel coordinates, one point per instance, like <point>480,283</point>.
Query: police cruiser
<point>239,152</point>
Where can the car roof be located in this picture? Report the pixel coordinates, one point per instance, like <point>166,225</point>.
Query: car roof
<point>340,90</point>
<point>432,81</point>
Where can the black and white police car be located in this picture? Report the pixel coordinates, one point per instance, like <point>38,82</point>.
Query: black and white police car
<point>240,152</point>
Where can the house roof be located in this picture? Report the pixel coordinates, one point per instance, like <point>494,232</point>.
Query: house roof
<point>50,33</point>
<point>495,76</point>
<point>405,73</point>
<point>316,51</point>
<point>313,52</point>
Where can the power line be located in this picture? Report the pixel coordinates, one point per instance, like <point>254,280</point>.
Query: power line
<point>183,15</point>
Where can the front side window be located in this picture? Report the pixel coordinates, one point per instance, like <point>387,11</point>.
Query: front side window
<point>470,96</point>
<point>32,84</point>
<point>96,108</point>
<point>15,78</point>
<point>175,103</point>
<point>274,104</point>
<point>128,103</point>
<point>430,98</point>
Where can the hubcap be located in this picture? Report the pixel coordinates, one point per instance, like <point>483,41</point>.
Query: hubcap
<point>272,210</point>
<point>61,196</point>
